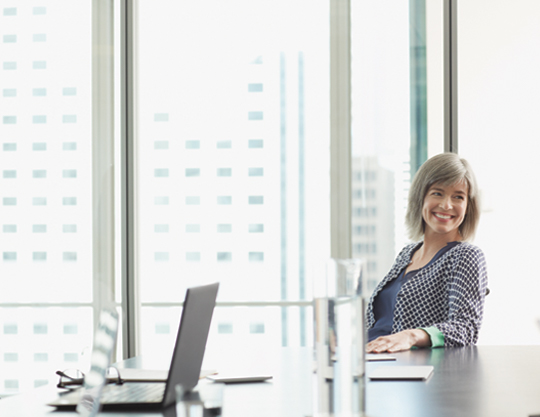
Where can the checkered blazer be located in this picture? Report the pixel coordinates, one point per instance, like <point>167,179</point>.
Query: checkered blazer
<point>448,294</point>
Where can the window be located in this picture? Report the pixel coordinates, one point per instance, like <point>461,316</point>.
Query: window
<point>71,328</point>
<point>225,328</point>
<point>255,115</point>
<point>41,357</point>
<point>161,173</point>
<point>39,92</point>
<point>69,256</point>
<point>193,228</point>
<point>39,201</point>
<point>256,228</point>
<point>39,37</point>
<point>69,228</point>
<point>69,201</point>
<point>10,256</point>
<point>256,328</point>
<point>193,256</point>
<point>224,200</point>
<point>161,117</point>
<point>224,228</point>
<point>10,329</point>
<point>39,256</point>
<point>9,201</point>
<point>11,385</point>
<point>409,34</point>
<point>249,116</point>
<point>192,200</point>
<point>161,256</point>
<point>256,199</point>
<point>161,144</point>
<point>161,201</point>
<point>224,144</point>
<point>255,172</point>
<point>224,172</point>
<point>39,10</point>
<point>255,143</point>
<point>224,256</point>
<point>256,256</point>
<point>499,102</point>
<point>41,328</point>
<point>255,88</point>
<point>161,228</point>
<point>162,328</point>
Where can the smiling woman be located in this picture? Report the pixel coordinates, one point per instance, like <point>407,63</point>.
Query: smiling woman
<point>434,293</point>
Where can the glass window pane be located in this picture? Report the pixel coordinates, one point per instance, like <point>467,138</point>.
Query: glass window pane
<point>46,194</point>
<point>268,114</point>
<point>498,106</point>
<point>394,45</point>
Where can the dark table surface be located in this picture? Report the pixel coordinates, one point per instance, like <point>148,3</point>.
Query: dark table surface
<point>478,381</point>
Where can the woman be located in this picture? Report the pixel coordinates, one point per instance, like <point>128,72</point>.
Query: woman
<point>434,292</point>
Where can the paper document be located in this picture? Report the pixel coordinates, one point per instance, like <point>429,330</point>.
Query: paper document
<point>375,357</point>
<point>401,373</point>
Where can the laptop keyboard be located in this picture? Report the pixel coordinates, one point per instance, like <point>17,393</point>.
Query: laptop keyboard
<point>133,392</point>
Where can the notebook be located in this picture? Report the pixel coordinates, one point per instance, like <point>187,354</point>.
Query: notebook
<point>185,364</point>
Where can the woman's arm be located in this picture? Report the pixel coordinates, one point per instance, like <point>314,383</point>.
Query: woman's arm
<point>466,297</point>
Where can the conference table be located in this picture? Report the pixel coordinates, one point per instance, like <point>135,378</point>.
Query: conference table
<point>475,381</point>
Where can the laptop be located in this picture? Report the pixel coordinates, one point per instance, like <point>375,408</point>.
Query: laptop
<point>185,366</point>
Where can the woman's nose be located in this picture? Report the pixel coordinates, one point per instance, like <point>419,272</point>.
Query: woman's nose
<point>446,204</point>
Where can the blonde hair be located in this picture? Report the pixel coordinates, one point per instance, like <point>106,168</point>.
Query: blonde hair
<point>445,169</point>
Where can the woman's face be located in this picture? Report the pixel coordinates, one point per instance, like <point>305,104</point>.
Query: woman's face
<point>444,209</point>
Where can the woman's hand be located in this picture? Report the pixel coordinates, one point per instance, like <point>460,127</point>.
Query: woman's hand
<point>399,341</point>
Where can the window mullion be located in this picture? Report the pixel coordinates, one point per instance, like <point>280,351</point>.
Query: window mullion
<point>340,128</point>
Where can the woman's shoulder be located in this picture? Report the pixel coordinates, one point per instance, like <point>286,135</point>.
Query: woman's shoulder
<point>468,253</point>
<point>468,248</point>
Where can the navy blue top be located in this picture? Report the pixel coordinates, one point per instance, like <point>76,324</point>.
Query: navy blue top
<point>385,302</point>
